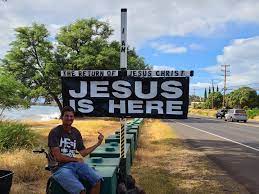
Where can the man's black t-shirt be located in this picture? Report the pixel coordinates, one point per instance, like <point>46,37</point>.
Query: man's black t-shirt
<point>67,141</point>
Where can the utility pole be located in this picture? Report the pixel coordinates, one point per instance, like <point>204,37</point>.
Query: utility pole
<point>225,70</point>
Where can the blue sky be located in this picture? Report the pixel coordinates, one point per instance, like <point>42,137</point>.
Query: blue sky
<point>201,52</point>
<point>194,35</point>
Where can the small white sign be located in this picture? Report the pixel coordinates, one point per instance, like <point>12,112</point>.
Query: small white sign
<point>158,73</point>
<point>89,73</point>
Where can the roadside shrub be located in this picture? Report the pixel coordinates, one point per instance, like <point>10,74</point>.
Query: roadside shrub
<point>198,105</point>
<point>15,135</point>
<point>252,113</point>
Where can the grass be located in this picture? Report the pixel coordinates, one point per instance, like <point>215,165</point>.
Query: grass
<point>203,112</point>
<point>15,135</point>
<point>253,113</point>
<point>29,174</point>
<point>164,165</point>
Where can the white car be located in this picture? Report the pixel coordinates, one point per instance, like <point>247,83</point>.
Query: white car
<point>236,115</point>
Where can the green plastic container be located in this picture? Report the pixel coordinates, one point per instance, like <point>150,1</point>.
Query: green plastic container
<point>55,188</point>
<point>100,161</point>
<point>112,150</point>
<point>138,121</point>
<point>133,132</point>
<point>109,173</point>
<point>106,167</point>
<point>136,127</point>
<point>129,139</point>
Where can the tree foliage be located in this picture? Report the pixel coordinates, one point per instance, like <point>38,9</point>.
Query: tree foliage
<point>242,97</point>
<point>32,61</point>
<point>205,94</point>
<point>194,98</point>
<point>84,45</point>
<point>36,61</point>
<point>214,100</point>
<point>13,93</point>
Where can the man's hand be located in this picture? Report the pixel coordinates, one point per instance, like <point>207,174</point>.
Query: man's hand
<point>100,138</point>
<point>89,150</point>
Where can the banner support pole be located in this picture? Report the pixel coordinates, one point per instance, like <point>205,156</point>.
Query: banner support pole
<point>123,121</point>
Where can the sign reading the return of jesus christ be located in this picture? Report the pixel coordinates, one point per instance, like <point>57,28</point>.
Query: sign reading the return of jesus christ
<point>138,93</point>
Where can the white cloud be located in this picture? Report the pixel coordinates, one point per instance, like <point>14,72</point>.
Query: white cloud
<point>8,21</point>
<point>163,67</point>
<point>212,69</point>
<point>53,29</point>
<point>200,85</point>
<point>243,58</point>
<point>168,48</point>
<point>147,19</point>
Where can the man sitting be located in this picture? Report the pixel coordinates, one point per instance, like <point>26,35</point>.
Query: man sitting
<point>63,142</point>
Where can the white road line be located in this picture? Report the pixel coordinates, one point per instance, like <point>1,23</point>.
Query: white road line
<point>255,149</point>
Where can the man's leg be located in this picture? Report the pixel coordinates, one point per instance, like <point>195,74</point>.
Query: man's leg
<point>67,179</point>
<point>96,188</point>
<point>87,173</point>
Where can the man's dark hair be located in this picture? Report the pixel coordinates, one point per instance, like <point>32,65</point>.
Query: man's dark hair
<point>67,109</point>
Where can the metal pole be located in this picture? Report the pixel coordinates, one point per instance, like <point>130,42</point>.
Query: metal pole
<point>123,66</point>
<point>225,83</point>
<point>123,53</point>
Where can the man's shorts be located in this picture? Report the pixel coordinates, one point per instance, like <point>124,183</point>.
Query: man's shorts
<point>69,174</point>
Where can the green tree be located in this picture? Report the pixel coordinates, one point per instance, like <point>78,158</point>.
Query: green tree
<point>194,98</point>
<point>36,61</point>
<point>209,90</point>
<point>217,99</point>
<point>84,45</point>
<point>32,60</point>
<point>205,94</point>
<point>13,93</point>
<point>217,88</point>
<point>242,97</point>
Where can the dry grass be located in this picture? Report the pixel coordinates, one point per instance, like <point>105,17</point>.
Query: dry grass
<point>164,165</point>
<point>256,118</point>
<point>203,112</point>
<point>87,127</point>
<point>29,174</point>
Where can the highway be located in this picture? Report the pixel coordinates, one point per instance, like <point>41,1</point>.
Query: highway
<point>232,146</point>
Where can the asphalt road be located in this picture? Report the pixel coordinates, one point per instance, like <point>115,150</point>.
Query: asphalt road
<point>232,146</point>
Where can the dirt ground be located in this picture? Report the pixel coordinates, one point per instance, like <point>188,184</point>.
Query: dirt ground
<point>165,165</point>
